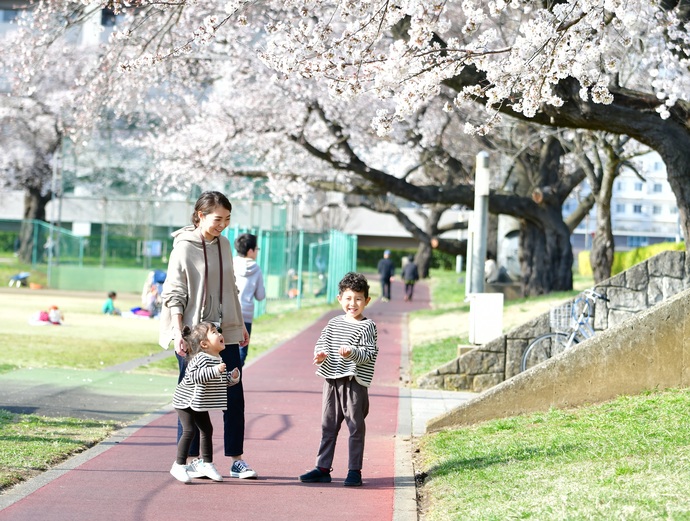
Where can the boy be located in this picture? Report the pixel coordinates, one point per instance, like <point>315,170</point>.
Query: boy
<point>249,280</point>
<point>345,354</point>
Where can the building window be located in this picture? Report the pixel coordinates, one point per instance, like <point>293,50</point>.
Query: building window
<point>658,188</point>
<point>620,208</point>
<point>619,186</point>
<point>108,18</point>
<point>656,210</point>
<point>638,187</point>
<point>637,208</point>
<point>8,15</point>
<point>674,210</point>
<point>636,242</point>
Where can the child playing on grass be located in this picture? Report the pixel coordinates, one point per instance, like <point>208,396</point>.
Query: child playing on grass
<point>345,354</point>
<point>109,304</point>
<point>203,388</point>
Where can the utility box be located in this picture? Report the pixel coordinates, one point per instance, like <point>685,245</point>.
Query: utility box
<point>486,317</point>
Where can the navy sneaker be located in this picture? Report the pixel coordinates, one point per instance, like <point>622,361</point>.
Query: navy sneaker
<point>353,479</point>
<point>316,476</point>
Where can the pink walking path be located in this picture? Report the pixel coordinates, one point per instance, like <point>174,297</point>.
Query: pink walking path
<point>131,480</point>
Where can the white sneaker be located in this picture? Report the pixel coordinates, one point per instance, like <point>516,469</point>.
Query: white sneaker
<point>179,472</point>
<point>241,470</point>
<point>208,469</point>
<point>193,469</point>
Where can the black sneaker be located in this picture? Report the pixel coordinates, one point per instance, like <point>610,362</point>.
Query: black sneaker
<point>353,479</point>
<point>316,476</point>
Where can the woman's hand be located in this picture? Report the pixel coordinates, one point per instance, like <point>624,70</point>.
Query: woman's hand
<point>179,343</point>
<point>245,337</point>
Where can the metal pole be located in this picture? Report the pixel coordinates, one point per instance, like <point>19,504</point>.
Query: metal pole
<point>480,221</point>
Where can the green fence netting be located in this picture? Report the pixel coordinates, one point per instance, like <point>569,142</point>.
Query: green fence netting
<point>300,268</point>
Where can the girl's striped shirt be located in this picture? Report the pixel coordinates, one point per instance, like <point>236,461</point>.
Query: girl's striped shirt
<point>203,388</point>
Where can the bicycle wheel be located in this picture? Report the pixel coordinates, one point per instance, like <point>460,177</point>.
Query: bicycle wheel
<point>544,347</point>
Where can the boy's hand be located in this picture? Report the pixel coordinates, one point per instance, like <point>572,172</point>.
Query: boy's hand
<point>221,367</point>
<point>345,350</point>
<point>320,356</point>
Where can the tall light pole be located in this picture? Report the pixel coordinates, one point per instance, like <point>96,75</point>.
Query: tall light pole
<point>480,222</point>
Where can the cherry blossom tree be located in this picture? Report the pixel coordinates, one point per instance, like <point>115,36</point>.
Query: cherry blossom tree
<point>29,138</point>
<point>598,64</point>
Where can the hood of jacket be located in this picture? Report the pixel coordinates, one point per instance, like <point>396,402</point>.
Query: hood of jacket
<point>187,234</point>
<point>245,267</point>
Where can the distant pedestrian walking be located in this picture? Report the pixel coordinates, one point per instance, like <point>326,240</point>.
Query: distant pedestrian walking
<point>345,354</point>
<point>249,280</point>
<point>386,271</point>
<point>410,274</point>
<point>203,388</point>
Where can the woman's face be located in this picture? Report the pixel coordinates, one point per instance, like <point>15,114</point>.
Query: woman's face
<point>213,224</point>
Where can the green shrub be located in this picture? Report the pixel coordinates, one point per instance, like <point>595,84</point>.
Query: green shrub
<point>7,241</point>
<point>623,260</point>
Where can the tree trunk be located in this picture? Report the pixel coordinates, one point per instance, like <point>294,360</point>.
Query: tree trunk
<point>676,156</point>
<point>423,259</point>
<point>34,210</point>
<point>601,256</point>
<point>546,257</point>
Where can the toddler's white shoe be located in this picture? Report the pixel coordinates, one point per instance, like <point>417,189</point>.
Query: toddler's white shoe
<point>179,472</point>
<point>208,469</point>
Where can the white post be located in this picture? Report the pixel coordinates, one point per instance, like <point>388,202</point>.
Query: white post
<point>480,222</point>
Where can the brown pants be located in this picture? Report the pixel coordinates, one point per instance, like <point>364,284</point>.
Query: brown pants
<point>343,399</point>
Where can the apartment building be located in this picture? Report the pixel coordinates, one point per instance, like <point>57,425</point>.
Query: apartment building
<point>643,209</point>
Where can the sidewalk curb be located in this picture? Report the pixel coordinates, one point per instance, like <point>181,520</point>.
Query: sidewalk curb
<point>405,492</point>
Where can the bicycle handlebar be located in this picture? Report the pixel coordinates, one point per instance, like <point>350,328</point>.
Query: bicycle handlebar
<point>592,293</point>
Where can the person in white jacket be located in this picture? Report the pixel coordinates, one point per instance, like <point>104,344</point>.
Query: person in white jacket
<point>249,280</point>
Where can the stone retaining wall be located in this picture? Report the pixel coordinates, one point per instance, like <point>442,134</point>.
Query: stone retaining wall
<point>637,289</point>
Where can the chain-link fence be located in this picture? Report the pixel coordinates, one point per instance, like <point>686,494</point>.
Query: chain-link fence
<point>299,268</point>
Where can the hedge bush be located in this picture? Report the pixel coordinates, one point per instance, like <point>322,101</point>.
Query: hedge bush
<point>623,260</point>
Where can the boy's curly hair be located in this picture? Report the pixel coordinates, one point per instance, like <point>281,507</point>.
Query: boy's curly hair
<point>354,281</point>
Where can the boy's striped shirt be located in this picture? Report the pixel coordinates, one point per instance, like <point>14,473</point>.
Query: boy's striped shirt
<point>361,336</point>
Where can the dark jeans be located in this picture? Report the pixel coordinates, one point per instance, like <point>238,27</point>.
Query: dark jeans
<point>233,417</point>
<point>245,350</point>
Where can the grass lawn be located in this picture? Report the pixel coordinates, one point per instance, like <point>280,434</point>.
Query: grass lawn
<point>32,444</point>
<point>627,459</point>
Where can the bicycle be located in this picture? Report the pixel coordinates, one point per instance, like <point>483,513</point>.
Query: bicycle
<point>572,324</point>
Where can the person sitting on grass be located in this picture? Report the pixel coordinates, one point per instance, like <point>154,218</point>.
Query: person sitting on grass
<point>345,354</point>
<point>203,388</point>
<point>109,304</point>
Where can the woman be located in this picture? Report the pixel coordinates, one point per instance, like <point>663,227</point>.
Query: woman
<point>200,287</point>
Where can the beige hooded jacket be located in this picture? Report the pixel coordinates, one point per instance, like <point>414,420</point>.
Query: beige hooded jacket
<point>184,287</point>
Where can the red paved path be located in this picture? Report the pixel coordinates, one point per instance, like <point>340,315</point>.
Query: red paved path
<point>131,480</point>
